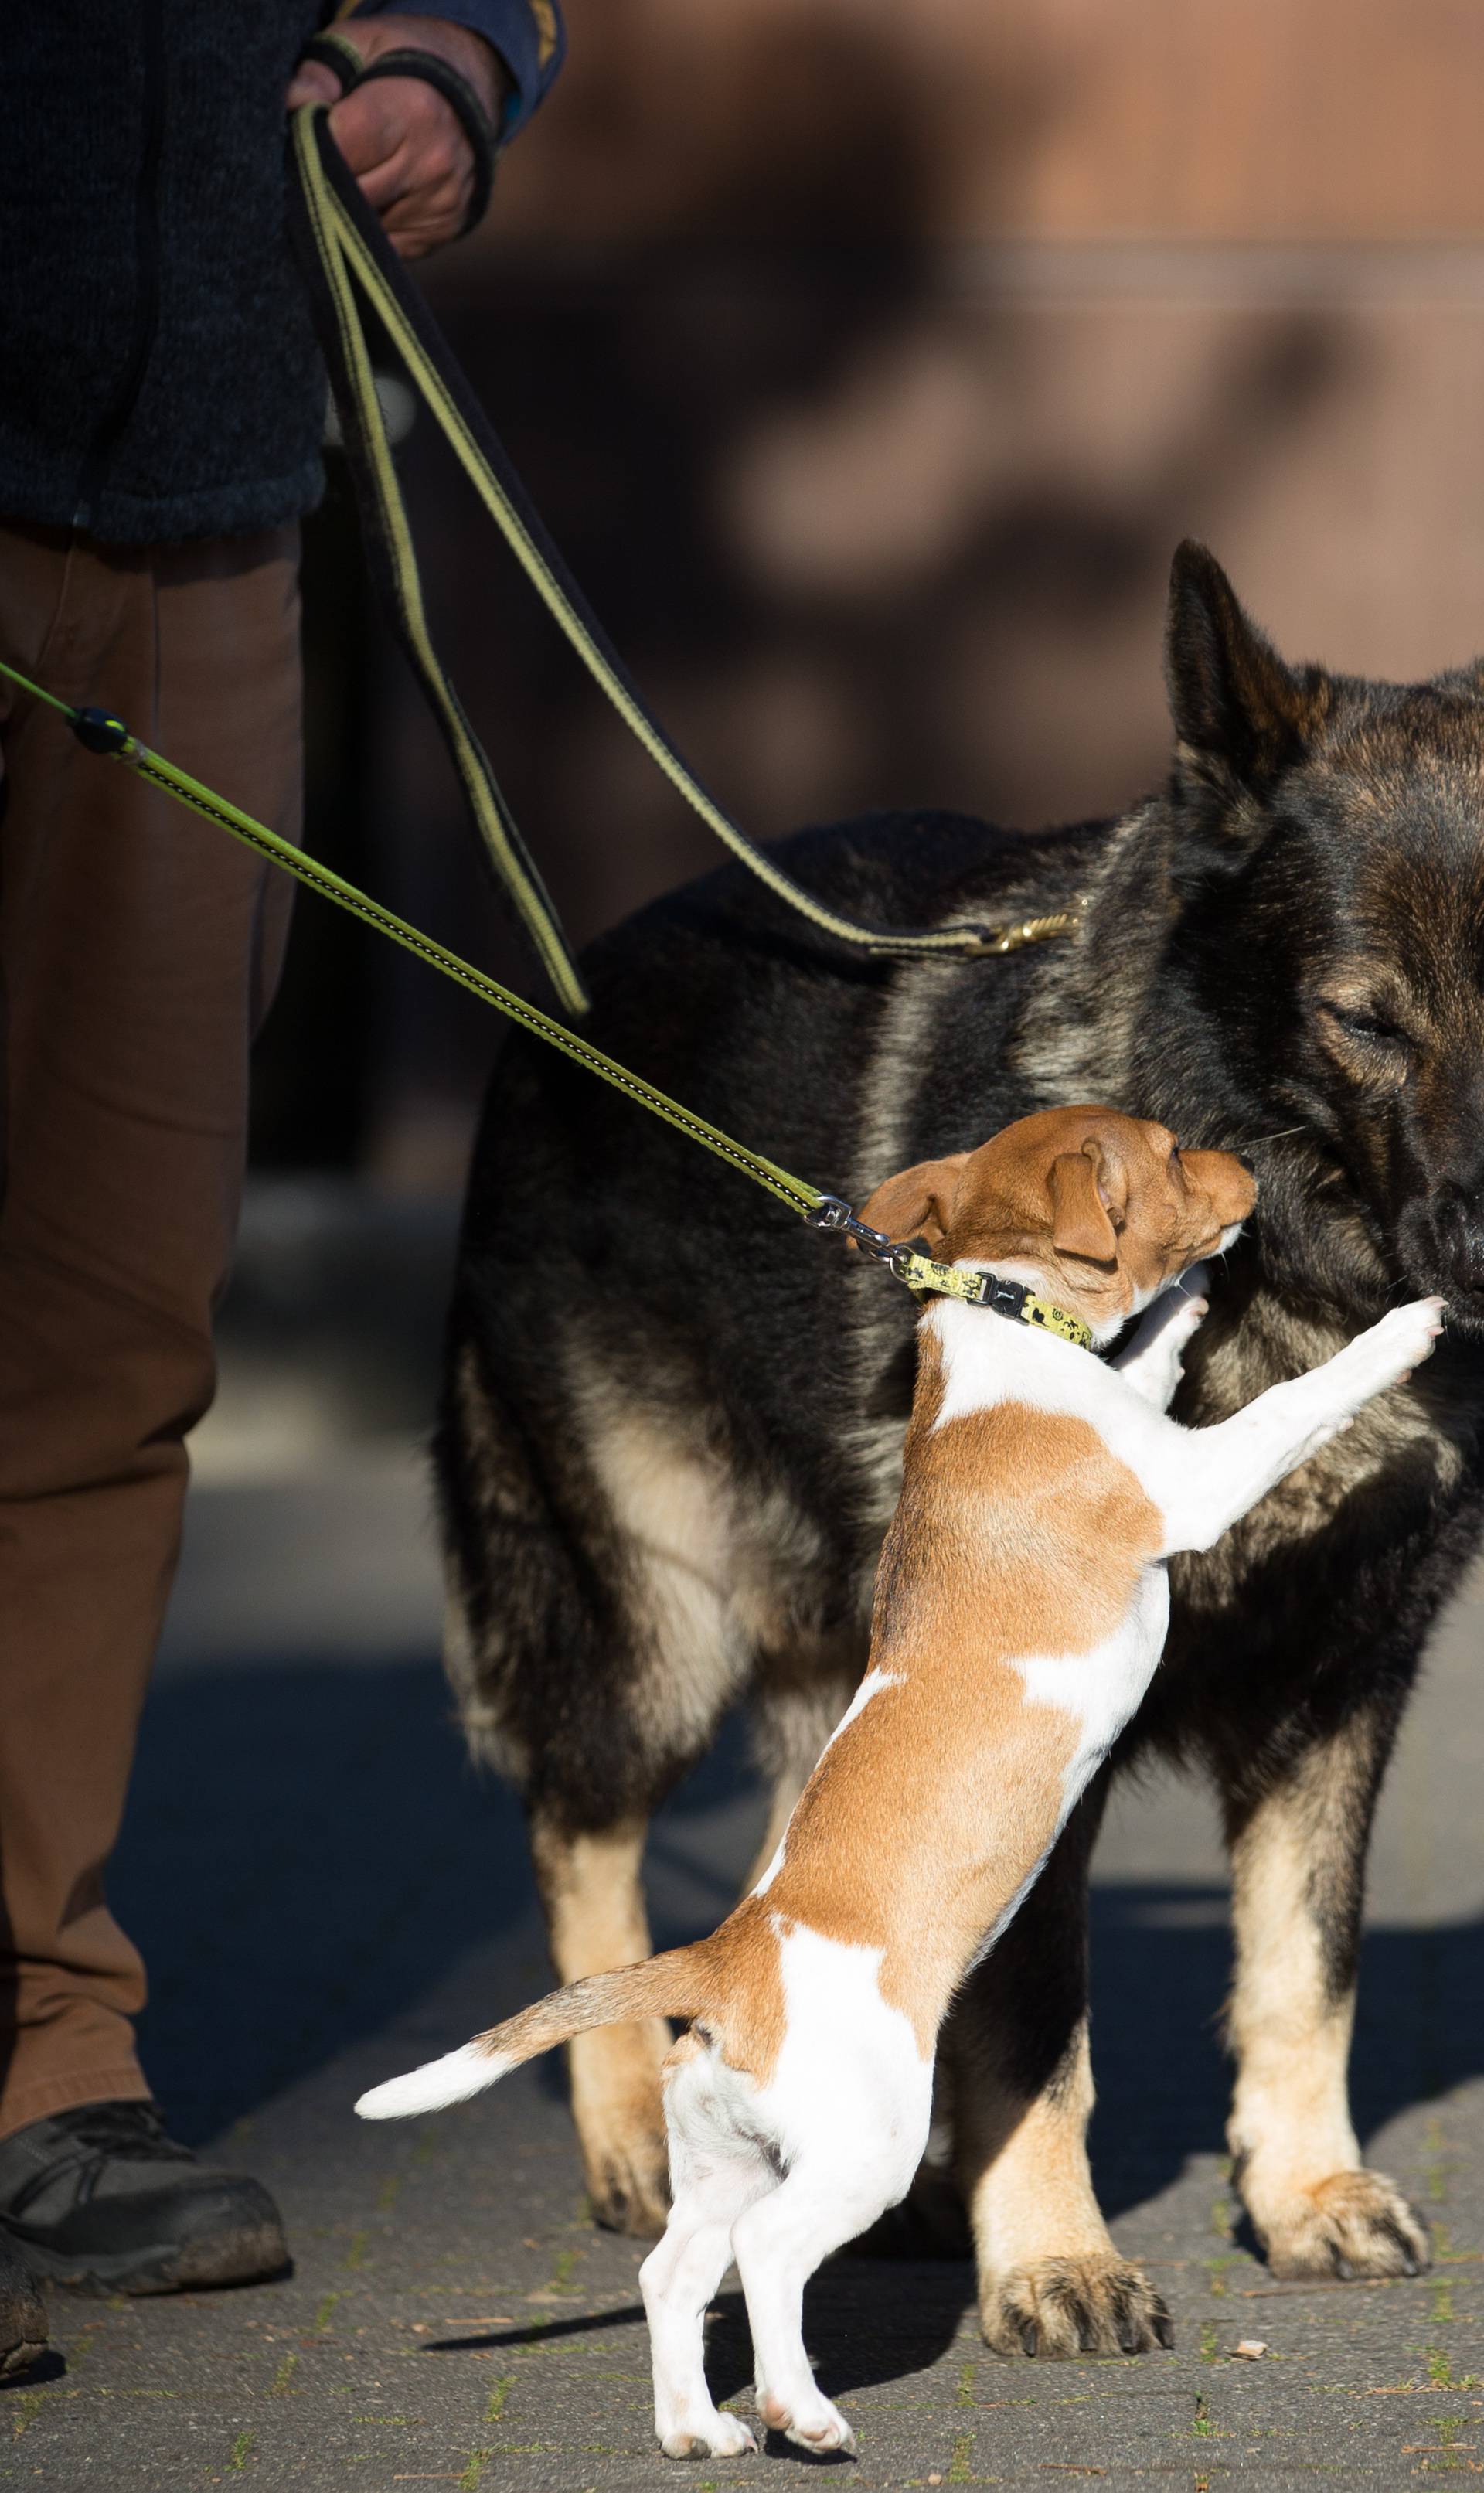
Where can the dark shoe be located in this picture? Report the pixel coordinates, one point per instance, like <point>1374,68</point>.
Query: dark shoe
<point>23,2317</point>
<point>99,2199</point>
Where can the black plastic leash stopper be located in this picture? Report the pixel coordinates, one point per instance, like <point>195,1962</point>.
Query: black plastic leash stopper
<point>100,731</point>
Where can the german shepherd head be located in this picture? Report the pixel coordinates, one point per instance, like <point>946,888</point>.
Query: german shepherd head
<point>1320,866</point>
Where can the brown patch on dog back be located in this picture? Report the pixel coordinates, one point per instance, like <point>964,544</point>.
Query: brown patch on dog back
<point>1018,1535</point>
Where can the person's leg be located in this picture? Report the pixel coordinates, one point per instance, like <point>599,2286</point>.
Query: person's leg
<point>138,949</point>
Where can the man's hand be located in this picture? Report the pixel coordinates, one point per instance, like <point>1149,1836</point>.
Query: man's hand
<point>403,141</point>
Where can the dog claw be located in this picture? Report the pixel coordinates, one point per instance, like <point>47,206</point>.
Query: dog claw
<point>1070,2307</point>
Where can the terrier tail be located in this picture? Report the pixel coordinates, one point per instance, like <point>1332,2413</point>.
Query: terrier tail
<point>672,1985</point>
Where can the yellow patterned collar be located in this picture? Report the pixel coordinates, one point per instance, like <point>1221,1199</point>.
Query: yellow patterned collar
<point>982,1289</point>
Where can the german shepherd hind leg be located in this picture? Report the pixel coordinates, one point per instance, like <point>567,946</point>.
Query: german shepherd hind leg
<point>592,1895</point>
<point>1298,1845</point>
<point>593,1651</point>
<point>1051,2280</point>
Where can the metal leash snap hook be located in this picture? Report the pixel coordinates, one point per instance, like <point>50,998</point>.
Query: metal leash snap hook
<point>833,1214</point>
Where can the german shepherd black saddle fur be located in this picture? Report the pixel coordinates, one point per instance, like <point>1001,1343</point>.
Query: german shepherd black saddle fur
<point>672,1426</point>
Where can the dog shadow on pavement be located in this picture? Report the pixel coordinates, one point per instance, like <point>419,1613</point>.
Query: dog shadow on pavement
<point>308,1853</point>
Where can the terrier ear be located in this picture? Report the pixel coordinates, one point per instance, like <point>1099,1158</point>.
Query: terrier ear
<point>1240,714</point>
<point>1081,1222</point>
<point>916,1203</point>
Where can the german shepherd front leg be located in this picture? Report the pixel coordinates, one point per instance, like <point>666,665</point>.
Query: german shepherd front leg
<point>594,1901</point>
<point>1051,2278</point>
<point>1297,1867</point>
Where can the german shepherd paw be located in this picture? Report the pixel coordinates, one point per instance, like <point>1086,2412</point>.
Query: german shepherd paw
<point>1074,2306</point>
<point>1354,2224</point>
<point>628,2188</point>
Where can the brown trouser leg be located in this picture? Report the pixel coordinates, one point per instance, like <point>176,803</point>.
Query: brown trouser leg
<point>138,949</point>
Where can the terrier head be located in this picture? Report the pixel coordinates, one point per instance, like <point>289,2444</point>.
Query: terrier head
<point>1094,1210</point>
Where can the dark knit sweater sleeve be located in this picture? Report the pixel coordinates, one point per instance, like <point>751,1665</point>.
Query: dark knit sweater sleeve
<point>158,376</point>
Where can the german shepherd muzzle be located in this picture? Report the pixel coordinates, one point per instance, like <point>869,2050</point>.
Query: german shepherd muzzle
<point>671,1430</point>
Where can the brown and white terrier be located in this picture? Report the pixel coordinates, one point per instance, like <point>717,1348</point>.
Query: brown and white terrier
<point>1021,1609</point>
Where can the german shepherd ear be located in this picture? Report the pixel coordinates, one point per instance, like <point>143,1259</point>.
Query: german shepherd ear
<point>1240,715</point>
<point>916,1203</point>
<point>1081,1193</point>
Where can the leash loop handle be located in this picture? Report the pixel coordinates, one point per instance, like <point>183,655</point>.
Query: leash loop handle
<point>336,53</point>
<point>392,557</point>
<point>339,240</point>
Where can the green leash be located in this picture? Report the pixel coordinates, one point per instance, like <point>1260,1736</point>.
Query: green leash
<point>102,732</point>
<point>342,247</point>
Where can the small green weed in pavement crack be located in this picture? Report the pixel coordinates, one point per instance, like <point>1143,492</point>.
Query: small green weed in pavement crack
<point>479,2460</point>
<point>26,2408</point>
<point>1206,2425</point>
<point>497,2397</point>
<point>241,2451</point>
<point>1443,2314</point>
<point>958,2465</point>
<point>283,2376</point>
<point>1207,2341</point>
<point>386,2196</point>
<point>965,2394</point>
<point>356,2253</point>
<point>325,2313</point>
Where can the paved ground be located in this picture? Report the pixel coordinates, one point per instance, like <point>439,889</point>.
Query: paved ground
<point>326,1894</point>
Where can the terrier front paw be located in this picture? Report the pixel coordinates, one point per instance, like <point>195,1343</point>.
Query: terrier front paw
<point>1186,1319</point>
<point>1403,1339</point>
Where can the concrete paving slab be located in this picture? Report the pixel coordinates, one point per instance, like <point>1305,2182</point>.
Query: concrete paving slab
<point>326,1893</point>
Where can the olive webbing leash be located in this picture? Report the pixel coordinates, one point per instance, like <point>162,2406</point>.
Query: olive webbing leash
<point>341,246</point>
<point>101,731</point>
<point>392,559</point>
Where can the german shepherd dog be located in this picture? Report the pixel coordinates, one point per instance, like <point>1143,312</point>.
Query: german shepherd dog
<point>671,1431</point>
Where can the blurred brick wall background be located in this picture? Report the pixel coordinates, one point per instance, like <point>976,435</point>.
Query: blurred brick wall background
<point>867,361</point>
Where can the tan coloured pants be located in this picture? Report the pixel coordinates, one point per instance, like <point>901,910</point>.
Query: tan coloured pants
<point>138,951</point>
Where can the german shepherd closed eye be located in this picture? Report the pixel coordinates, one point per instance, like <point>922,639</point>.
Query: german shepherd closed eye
<point>670,1441</point>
